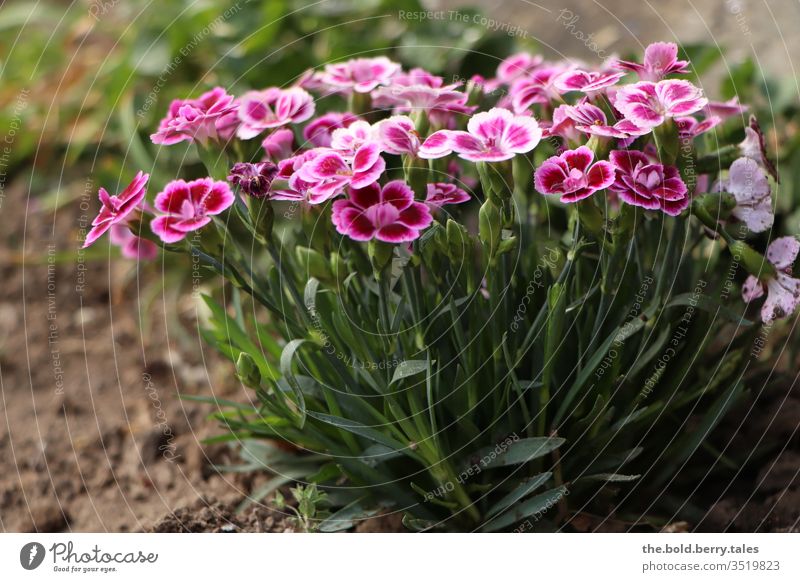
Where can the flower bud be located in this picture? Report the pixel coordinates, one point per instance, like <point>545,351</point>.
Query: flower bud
<point>490,226</point>
<point>247,370</point>
<point>753,261</point>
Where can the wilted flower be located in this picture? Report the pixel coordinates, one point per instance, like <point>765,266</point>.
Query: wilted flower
<point>273,107</point>
<point>749,186</point>
<point>189,206</point>
<point>572,175</point>
<point>649,104</point>
<point>783,291</point>
<point>442,193</point>
<point>641,182</point>
<point>585,81</point>
<point>330,172</point>
<point>754,147</point>
<point>116,209</point>
<point>660,60</point>
<point>132,246</point>
<point>360,75</point>
<point>318,132</point>
<point>279,144</point>
<point>389,214</point>
<point>491,136</point>
<point>253,179</point>
<point>196,119</point>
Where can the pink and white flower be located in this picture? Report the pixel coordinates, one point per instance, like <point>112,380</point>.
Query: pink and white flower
<point>725,109</point>
<point>660,60</point>
<point>398,135</point>
<point>650,104</point>
<point>348,140</point>
<point>641,182</point>
<point>389,214</point>
<point>189,206</point>
<point>690,127</point>
<point>132,246</point>
<point>273,107</point>
<point>117,209</point>
<point>589,82</point>
<point>750,187</point>
<point>783,290</point>
<point>360,75</point>
<point>198,119</point>
<point>441,193</point>
<point>441,104</point>
<point>535,88</point>
<point>279,144</point>
<point>329,172</point>
<point>516,66</point>
<point>491,136</point>
<point>590,119</point>
<point>573,175</point>
<point>318,132</point>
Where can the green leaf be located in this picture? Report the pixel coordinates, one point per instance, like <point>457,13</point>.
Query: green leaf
<point>710,305</point>
<point>538,504</point>
<point>526,487</point>
<point>409,368</point>
<point>346,517</point>
<point>518,452</point>
<point>287,356</point>
<point>610,477</point>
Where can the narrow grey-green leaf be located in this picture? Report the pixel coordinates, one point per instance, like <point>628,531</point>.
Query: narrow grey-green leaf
<point>537,504</point>
<point>520,451</point>
<point>409,368</point>
<point>522,490</point>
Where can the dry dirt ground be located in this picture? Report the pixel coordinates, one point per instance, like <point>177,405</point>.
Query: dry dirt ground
<point>93,436</point>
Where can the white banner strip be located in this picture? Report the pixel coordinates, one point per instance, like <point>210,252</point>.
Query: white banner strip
<point>380,557</point>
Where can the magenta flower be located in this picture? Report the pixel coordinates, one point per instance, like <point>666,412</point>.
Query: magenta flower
<point>360,75</point>
<point>650,104</point>
<point>660,60</point>
<point>273,107</point>
<point>647,184</point>
<point>417,76</point>
<point>132,246</point>
<point>116,209</point>
<point>537,87</point>
<point>437,102</point>
<point>436,145</point>
<point>516,66</point>
<point>318,132</point>
<point>585,81</point>
<point>389,214</point>
<point>442,193</point>
<point>348,140</point>
<point>397,135</point>
<point>494,136</point>
<point>572,175</point>
<point>690,127</point>
<point>253,179</point>
<point>590,119</point>
<point>189,206</point>
<point>749,186</point>
<point>783,290</point>
<point>330,172</point>
<point>288,175</point>
<point>725,109</point>
<point>279,145</point>
<point>198,119</point>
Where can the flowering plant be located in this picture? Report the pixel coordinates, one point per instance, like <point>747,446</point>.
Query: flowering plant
<point>471,302</point>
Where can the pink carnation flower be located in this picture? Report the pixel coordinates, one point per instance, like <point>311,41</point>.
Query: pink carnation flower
<point>748,184</point>
<point>491,136</point>
<point>189,206</point>
<point>389,214</point>
<point>132,246</point>
<point>441,104</point>
<point>273,107</point>
<point>783,290</point>
<point>572,175</point>
<point>585,81</point>
<point>116,209</point>
<point>279,145</point>
<point>397,135</point>
<point>590,119</point>
<point>442,193</point>
<point>330,172</point>
<point>647,184</point>
<point>650,104</point>
<point>360,75</point>
<point>198,119</point>
<point>725,109</point>
<point>660,59</point>
<point>318,132</point>
<point>538,87</point>
<point>690,127</point>
<point>348,140</point>
<point>516,66</point>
